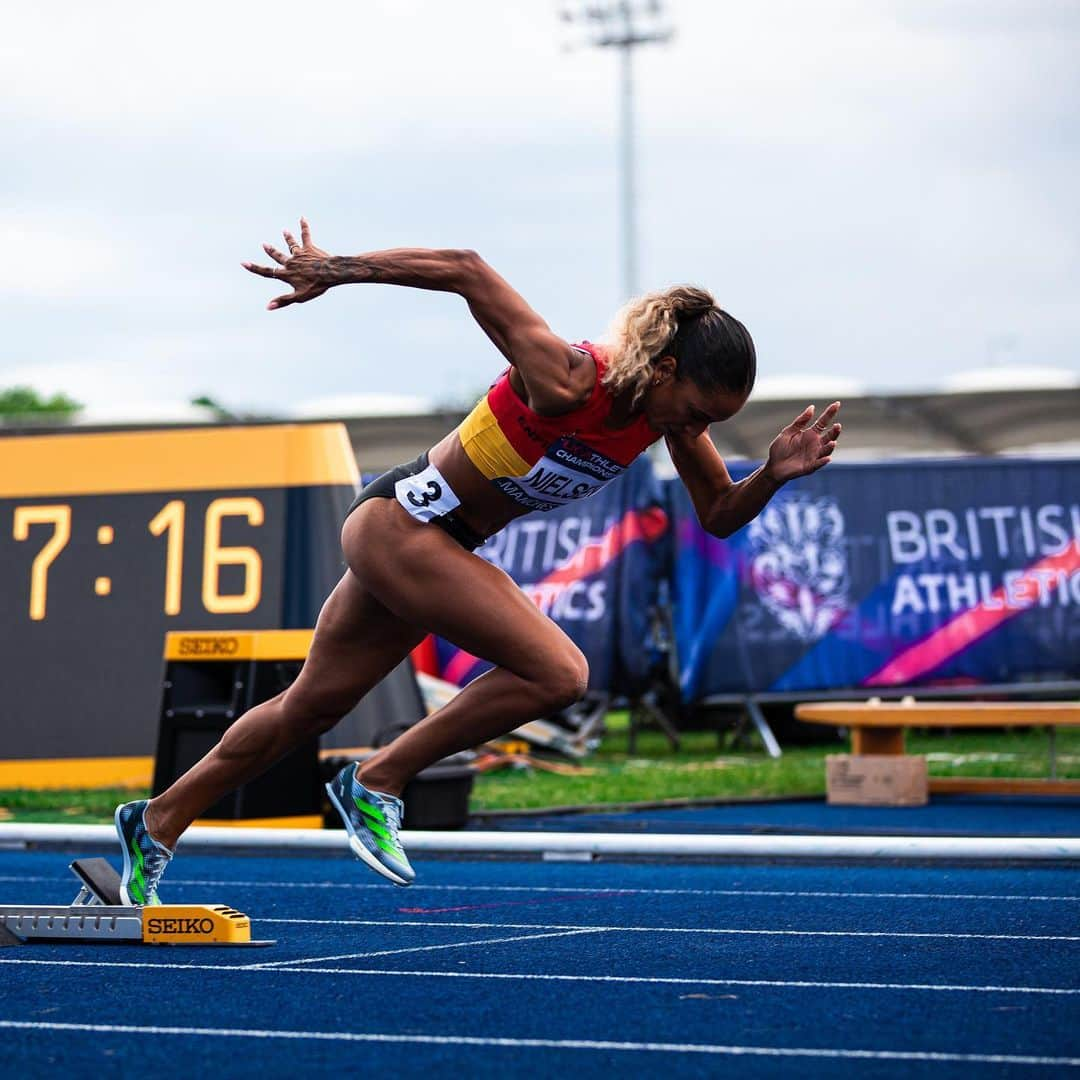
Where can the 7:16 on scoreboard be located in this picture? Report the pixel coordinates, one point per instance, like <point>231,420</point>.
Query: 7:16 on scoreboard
<point>169,525</point>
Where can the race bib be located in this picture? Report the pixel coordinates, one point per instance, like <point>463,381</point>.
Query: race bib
<point>426,495</point>
<point>570,470</point>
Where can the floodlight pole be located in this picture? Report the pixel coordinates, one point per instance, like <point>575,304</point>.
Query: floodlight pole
<point>612,25</point>
<point>626,156</point>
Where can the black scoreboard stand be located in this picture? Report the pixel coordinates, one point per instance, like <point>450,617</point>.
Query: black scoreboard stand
<point>211,679</point>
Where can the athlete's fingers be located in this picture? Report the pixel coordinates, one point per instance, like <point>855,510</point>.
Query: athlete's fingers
<point>294,298</point>
<point>290,240</point>
<point>275,254</point>
<point>827,415</point>
<point>834,433</point>
<point>305,233</point>
<point>262,271</point>
<point>826,449</point>
<point>800,421</point>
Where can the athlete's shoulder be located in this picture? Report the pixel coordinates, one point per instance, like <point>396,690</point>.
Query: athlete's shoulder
<point>588,374</point>
<point>597,353</point>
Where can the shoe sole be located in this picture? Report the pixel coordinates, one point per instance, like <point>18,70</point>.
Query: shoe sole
<point>125,896</point>
<point>358,848</point>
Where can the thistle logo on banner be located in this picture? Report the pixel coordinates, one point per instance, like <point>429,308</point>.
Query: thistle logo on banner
<point>798,564</point>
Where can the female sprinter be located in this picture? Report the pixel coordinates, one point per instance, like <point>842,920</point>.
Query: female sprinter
<point>559,423</point>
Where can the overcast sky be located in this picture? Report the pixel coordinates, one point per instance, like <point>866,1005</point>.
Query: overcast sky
<point>880,190</point>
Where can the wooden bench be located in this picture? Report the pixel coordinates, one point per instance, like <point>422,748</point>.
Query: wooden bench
<point>877,727</point>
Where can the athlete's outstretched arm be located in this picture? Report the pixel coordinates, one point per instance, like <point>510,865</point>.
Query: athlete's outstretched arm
<point>546,363</point>
<point>724,506</point>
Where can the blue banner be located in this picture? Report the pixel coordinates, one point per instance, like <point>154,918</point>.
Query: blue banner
<point>886,574</point>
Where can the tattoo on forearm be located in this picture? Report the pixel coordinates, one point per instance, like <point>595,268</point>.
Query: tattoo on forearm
<point>340,268</point>
<point>419,268</point>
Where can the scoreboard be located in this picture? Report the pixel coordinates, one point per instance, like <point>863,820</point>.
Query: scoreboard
<point>108,541</point>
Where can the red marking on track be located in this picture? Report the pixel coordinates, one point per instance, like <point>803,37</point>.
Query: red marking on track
<point>512,903</point>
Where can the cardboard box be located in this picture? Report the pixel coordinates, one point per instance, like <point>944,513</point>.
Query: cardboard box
<point>876,779</point>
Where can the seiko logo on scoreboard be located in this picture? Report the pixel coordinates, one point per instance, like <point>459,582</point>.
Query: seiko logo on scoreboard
<point>209,646</point>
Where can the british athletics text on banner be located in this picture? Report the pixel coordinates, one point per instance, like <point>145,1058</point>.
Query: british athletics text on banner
<point>885,574</point>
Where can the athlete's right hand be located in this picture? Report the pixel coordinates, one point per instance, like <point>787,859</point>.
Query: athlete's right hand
<point>306,268</point>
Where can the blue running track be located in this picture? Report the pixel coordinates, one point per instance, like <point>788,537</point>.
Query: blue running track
<point>497,968</point>
<point>944,815</point>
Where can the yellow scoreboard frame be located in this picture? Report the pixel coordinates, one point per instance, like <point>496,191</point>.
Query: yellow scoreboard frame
<point>108,541</point>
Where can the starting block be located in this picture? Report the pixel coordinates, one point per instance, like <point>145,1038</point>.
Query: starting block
<point>96,915</point>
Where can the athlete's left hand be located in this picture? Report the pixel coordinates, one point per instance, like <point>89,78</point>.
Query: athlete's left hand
<point>304,268</point>
<point>805,445</point>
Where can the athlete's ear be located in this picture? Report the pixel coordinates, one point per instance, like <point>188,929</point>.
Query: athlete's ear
<point>664,369</point>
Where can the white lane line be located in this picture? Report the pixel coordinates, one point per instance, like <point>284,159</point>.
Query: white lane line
<point>780,984</point>
<point>27,877</point>
<point>547,1044</point>
<point>672,981</point>
<point>586,893</point>
<point>678,929</point>
<point>672,929</point>
<point>419,948</point>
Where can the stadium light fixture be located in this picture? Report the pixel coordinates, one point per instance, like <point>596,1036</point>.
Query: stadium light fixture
<point>622,25</point>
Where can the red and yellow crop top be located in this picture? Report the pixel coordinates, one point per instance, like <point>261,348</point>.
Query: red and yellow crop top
<point>542,462</point>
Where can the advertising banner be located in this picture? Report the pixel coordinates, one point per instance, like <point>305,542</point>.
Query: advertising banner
<point>885,574</point>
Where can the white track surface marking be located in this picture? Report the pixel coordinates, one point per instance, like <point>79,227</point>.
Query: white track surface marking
<point>781,984</point>
<point>724,931</point>
<point>547,1044</point>
<point>584,892</point>
<point>420,948</point>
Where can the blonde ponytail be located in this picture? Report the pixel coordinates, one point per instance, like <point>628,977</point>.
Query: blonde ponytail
<point>643,329</point>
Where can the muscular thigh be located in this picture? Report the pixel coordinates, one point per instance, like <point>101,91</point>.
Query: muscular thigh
<point>357,641</point>
<point>428,580</point>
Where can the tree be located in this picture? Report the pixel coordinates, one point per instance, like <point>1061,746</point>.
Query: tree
<point>23,400</point>
<point>220,412</point>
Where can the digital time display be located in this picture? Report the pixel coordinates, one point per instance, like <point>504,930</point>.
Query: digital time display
<point>51,524</point>
<point>107,542</point>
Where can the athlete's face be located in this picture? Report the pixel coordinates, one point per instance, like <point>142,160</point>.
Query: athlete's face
<point>676,406</point>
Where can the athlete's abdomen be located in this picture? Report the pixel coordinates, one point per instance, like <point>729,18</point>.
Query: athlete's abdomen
<point>483,507</point>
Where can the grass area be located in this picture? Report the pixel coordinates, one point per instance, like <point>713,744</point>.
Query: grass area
<point>80,807</point>
<point>702,768</point>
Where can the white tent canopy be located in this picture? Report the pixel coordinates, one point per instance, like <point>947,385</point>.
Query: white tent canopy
<point>992,411</point>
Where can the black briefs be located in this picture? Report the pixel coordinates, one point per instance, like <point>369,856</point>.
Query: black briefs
<point>383,488</point>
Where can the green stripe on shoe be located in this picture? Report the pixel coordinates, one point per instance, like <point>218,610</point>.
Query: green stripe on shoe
<point>369,810</point>
<point>138,878</point>
<point>379,831</point>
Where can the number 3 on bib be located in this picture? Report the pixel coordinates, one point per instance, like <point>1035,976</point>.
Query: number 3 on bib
<point>432,493</point>
<point>426,495</point>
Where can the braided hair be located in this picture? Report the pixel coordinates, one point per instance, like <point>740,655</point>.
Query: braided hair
<point>710,346</point>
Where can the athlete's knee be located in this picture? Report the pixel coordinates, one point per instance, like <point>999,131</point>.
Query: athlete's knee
<point>568,680</point>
